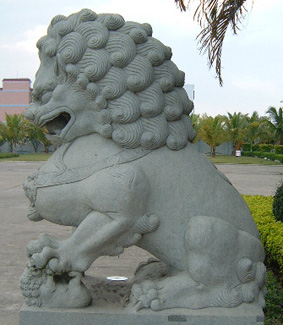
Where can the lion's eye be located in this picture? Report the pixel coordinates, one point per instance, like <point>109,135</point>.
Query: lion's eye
<point>46,97</point>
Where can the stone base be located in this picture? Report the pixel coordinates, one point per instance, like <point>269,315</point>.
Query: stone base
<point>110,307</point>
<point>243,315</point>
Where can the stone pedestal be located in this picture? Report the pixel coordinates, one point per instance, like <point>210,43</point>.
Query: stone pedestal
<point>243,315</point>
<point>110,307</point>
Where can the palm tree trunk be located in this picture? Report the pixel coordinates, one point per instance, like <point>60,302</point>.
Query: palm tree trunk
<point>11,149</point>
<point>212,152</point>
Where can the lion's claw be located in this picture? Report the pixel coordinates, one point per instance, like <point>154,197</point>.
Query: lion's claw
<point>59,266</point>
<point>39,260</point>
<point>47,250</point>
<point>44,240</point>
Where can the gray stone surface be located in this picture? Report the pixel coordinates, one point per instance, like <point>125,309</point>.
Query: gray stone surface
<point>110,307</point>
<point>105,316</point>
<point>126,173</point>
<point>199,203</point>
<point>15,230</point>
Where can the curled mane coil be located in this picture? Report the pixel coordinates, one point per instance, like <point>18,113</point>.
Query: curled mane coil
<point>155,132</point>
<point>95,34</point>
<point>125,109</point>
<point>128,135</point>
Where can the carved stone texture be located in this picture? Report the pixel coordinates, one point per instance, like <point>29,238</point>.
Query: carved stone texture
<point>126,173</point>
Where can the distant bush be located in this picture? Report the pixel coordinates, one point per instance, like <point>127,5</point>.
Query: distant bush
<point>8,155</point>
<point>265,147</point>
<point>271,231</point>
<point>246,147</point>
<point>268,155</point>
<point>278,150</point>
<point>255,147</point>
<point>277,206</point>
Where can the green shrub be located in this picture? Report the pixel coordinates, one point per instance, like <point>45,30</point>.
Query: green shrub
<point>246,147</point>
<point>273,313</point>
<point>265,147</point>
<point>268,155</point>
<point>8,155</point>
<point>255,147</point>
<point>277,206</point>
<point>271,231</point>
<point>278,150</point>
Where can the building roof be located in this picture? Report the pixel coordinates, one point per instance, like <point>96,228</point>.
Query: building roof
<point>17,79</point>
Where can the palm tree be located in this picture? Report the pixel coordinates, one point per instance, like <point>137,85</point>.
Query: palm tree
<point>276,123</point>
<point>36,135</point>
<point>13,130</point>
<point>2,131</point>
<point>236,128</point>
<point>214,18</point>
<point>258,130</point>
<point>42,138</point>
<point>212,131</point>
<point>195,118</point>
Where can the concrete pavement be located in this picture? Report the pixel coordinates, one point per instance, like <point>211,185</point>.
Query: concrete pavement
<point>16,230</point>
<point>253,179</point>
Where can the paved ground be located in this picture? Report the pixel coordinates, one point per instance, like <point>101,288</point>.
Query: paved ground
<point>16,230</point>
<point>254,179</point>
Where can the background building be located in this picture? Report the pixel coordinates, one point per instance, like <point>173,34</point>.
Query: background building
<point>15,96</point>
<point>190,89</point>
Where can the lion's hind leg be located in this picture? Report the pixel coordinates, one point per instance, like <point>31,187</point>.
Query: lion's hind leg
<point>227,260</point>
<point>224,269</point>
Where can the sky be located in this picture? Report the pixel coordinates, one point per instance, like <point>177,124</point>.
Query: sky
<point>252,60</point>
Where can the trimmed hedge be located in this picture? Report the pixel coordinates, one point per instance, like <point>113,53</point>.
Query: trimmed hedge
<point>278,150</point>
<point>268,155</point>
<point>8,155</point>
<point>265,147</point>
<point>246,147</point>
<point>257,147</point>
<point>271,231</point>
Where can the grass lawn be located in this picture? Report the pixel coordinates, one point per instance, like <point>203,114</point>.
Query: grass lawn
<point>221,159</point>
<point>29,157</point>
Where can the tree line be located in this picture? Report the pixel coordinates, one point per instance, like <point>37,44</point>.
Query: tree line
<point>239,128</point>
<point>17,130</point>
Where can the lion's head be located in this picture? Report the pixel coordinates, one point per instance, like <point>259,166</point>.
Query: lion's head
<point>101,74</point>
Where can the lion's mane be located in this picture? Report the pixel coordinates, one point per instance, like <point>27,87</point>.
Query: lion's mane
<point>127,74</point>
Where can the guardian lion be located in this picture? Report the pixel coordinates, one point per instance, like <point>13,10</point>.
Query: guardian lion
<point>127,173</point>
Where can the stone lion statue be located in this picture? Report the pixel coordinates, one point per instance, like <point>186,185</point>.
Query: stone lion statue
<point>126,173</point>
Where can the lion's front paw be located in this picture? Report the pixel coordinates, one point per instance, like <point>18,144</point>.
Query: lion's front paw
<point>60,256</point>
<point>44,240</point>
<point>48,250</point>
<point>56,259</point>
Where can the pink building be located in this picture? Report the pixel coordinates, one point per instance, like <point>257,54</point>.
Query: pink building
<point>15,96</point>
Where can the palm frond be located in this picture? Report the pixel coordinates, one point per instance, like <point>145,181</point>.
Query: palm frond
<point>214,17</point>
<point>181,5</point>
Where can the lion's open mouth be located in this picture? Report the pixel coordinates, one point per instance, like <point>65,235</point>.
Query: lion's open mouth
<point>55,126</point>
